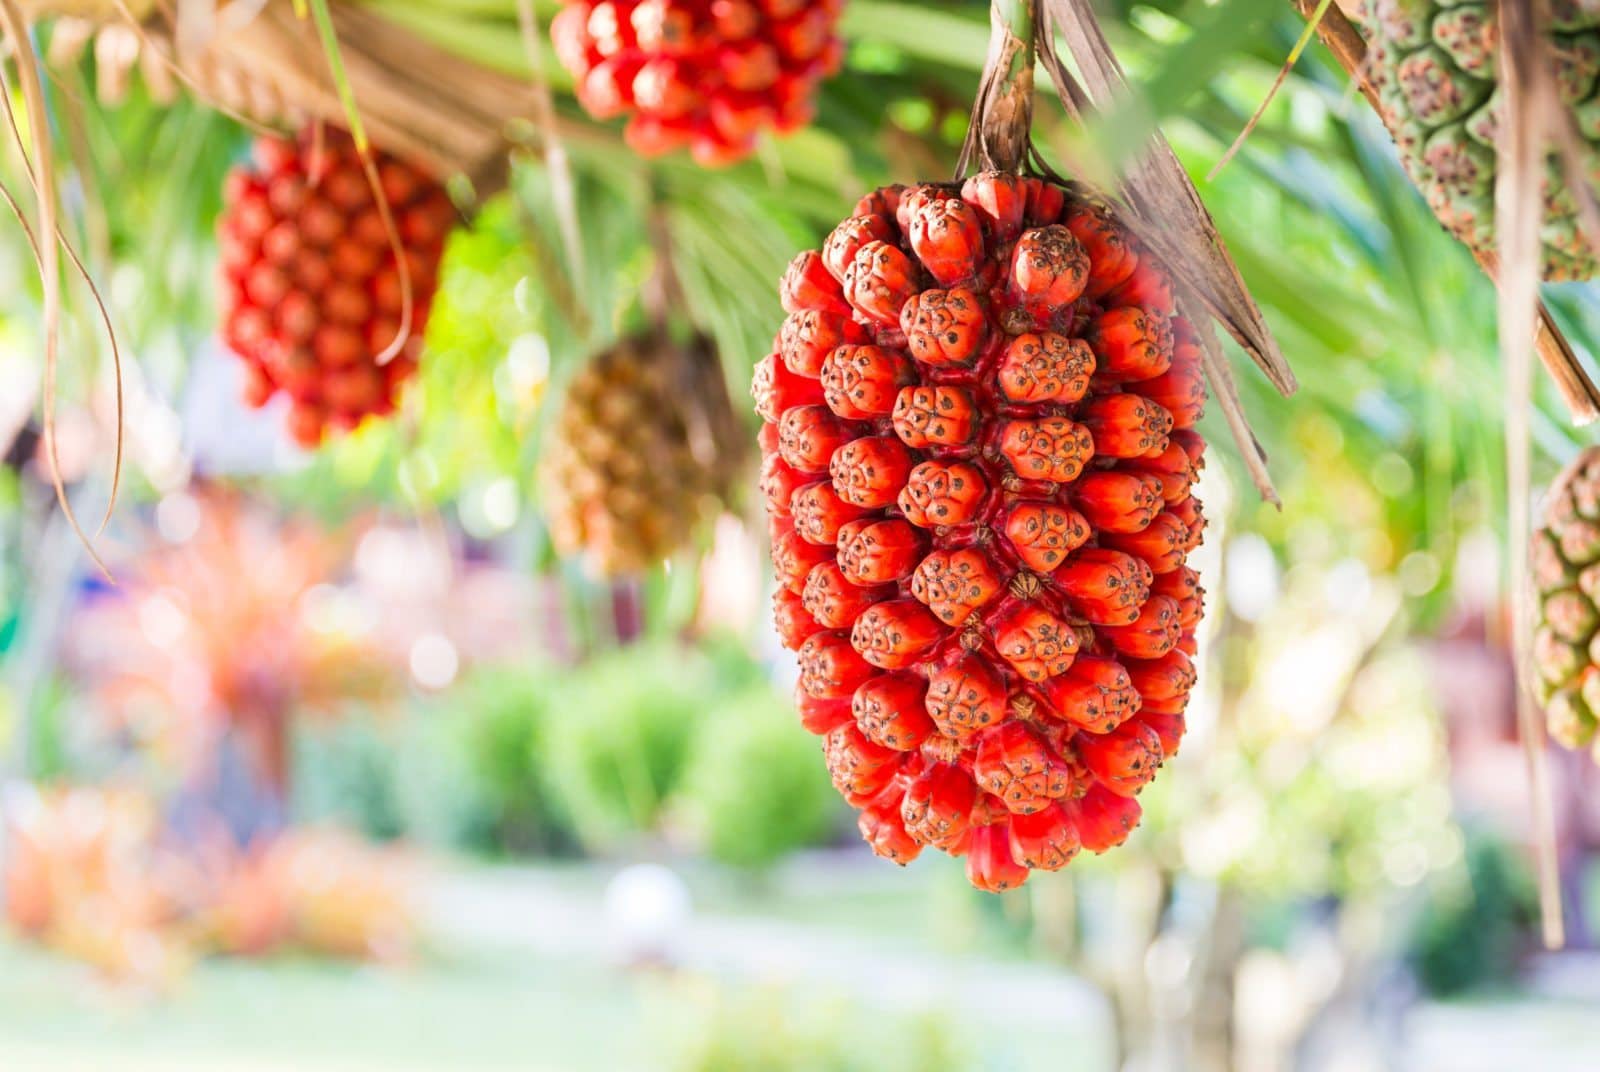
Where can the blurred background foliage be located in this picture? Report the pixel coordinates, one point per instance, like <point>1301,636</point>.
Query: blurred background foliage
<point>1337,793</point>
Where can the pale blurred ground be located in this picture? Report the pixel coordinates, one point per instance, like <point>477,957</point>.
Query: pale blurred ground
<point>522,972</point>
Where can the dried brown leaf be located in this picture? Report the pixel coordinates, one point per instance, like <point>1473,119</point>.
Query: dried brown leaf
<point>161,69</point>
<point>1168,214</point>
<point>1226,394</point>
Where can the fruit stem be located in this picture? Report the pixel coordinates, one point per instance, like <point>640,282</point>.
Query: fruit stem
<point>1017,17</point>
<point>1002,114</point>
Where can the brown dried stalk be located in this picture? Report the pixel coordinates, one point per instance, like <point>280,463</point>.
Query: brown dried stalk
<point>1577,390</point>
<point>1000,131</point>
<point>104,312</point>
<point>1226,392</point>
<point>1529,99</point>
<point>159,68</point>
<point>417,100</point>
<point>39,165</point>
<point>1168,215</point>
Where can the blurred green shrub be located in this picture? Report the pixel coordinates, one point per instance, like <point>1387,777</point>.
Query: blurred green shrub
<point>460,770</point>
<point>545,760</point>
<point>756,788</point>
<point>619,731</point>
<point>499,721</point>
<point>1476,921</point>
<point>347,771</point>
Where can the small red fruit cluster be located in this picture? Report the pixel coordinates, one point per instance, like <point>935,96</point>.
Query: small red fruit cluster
<point>708,75</point>
<point>978,456</point>
<point>311,287</point>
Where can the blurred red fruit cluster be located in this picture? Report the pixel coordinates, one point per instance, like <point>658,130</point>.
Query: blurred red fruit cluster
<point>707,75</point>
<point>312,291</point>
<point>978,458</point>
<point>93,873</point>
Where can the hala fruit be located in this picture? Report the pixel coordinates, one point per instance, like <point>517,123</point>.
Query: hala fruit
<point>708,75</point>
<point>979,452</point>
<point>1565,570</point>
<point>1435,66</point>
<point>312,292</point>
<point>645,446</point>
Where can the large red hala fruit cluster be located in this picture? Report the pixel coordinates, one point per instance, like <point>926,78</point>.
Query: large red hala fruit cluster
<point>311,286</point>
<point>706,74</point>
<point>978,458</point>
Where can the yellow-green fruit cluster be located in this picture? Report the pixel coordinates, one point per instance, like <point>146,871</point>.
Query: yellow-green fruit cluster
<point>1566,573</point>
<point>645,447</point>
<point>1435,65</point>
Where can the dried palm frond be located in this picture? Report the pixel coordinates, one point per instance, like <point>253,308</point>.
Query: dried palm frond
<point>264,63</point>
<point>1167,213</point>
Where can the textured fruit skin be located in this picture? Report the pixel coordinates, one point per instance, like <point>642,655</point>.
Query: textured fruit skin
<point>310,285</point>
<point>1435,65</point>
<point>629,471</point>
<point>992,576</point>
<point>706,75</point>
<point>1565,570</point>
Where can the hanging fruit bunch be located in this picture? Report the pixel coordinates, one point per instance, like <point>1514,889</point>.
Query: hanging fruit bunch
<point>979,454</point>
<point>644,448</point>
<point>1435,66</point>
<point>320,298</point>
<point>1566,573</point>
<point>709,75</point>
<point>978,458</point>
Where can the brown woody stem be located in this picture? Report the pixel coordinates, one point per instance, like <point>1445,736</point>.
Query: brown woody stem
<point>1002,114</point>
